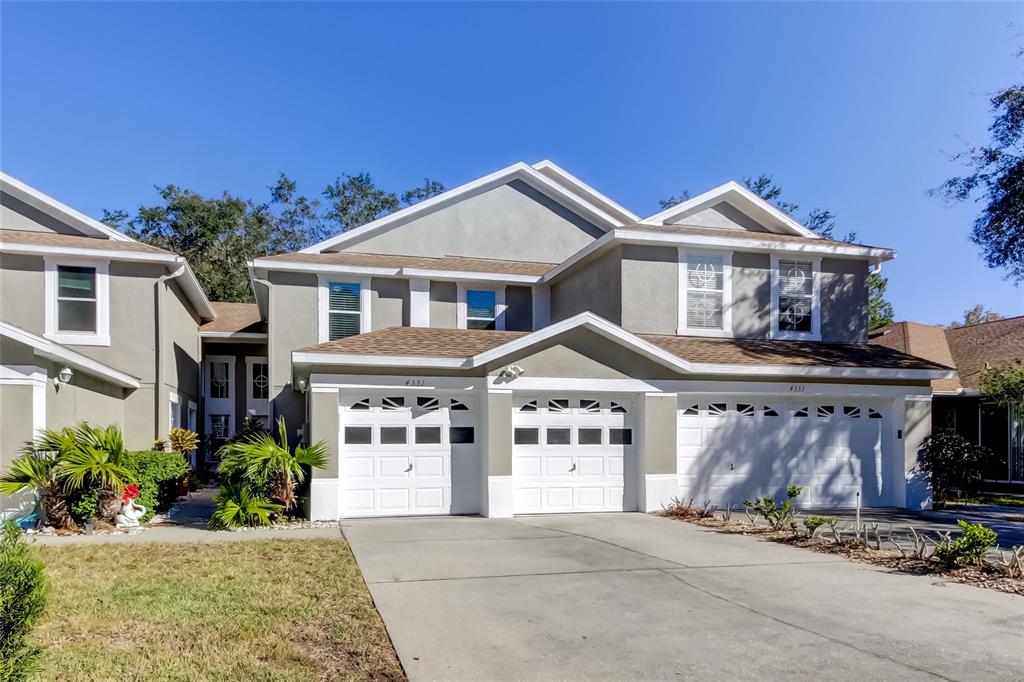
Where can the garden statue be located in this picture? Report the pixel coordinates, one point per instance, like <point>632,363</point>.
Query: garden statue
<point>130,511</point>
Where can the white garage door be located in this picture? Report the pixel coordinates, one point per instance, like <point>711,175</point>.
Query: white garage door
<point>733,449</point>
<point>572,453</point>
<point>408,454</point>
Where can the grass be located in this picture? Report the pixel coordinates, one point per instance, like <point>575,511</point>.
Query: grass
<point>1002,500</point>
<point>252,610</point>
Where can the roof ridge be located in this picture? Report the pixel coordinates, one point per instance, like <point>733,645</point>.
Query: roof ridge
<point>979,324</point>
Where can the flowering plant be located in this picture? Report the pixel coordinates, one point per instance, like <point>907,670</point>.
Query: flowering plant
<point>130,492</point>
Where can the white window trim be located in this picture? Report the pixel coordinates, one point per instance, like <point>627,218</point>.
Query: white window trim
<point>213,404</point>
<point>174,403</point>
<point>193,411</point>
<point>500,308</point>
<point>101,337</point>
<point>815,333</point>
<point>726,330</point>
<point>324,300</point>
<point>419,302</point>
<point>259,407</point>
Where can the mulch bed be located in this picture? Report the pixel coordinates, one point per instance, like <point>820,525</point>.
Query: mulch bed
<point>979,576</point>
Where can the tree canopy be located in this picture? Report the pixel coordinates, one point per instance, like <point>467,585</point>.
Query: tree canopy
<point>219,235</point>
<point>976,315</point>
<point>996,179</point>
<point>823,222</point>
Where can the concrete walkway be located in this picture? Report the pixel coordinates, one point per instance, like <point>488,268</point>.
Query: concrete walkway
<point>631,596</point>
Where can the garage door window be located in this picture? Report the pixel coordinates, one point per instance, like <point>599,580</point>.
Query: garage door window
<point>428,435</point>
<point>851,411</point>
<point>802,412</point>
<point>826,410</point>
<point>770,411</point>
<point>589,436</point>
<point>526,436</point>
<point>620,436</point>
<point>392,435</point>
<point>461,435</point>
<point>358,435</point>
<point>558,436</point>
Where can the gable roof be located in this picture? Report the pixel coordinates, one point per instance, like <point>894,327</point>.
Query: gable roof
<point>9,238</point>
<point>742,198</point>
<point>52,350</point>
<point>574,184</point>
<point>585,202</point>
<point>970,349</point>
<point>388,264</point>
<point>235,319</point>
<point>55,209</point>
<point>470,348</point>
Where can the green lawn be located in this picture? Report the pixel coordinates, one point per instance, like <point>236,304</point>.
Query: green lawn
<point>251,610</point>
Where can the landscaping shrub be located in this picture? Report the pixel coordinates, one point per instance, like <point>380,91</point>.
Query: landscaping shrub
<point>158,475</point>
<point>182,440</point>
<point>777,515</point>
<point>236,505</point>
<point>22,597</point>
<point>813,523</point>
<point>970,548</point>
<point>953,464</point>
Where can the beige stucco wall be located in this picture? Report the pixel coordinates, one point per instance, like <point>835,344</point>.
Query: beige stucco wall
<point>917,425</point>
<point>443,305</point>
<point>293,325</point>
<point>17,215</point>
<point>721,215</point>
<point>844,300</point>
<point>650,289</point>
<point>389,303</point>
<point>751,295</point>
<point>659,434</point>
<point>324,426</point>
<point>21,288</point>
<point>594,287</point>
<point>510,222</point>
<point>498,428</point>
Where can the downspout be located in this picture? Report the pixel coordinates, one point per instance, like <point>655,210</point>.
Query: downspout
<point>158,406</point>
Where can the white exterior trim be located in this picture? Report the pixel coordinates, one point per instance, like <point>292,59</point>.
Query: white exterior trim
<point>101,337</point>
<point>471,276</point>
<point>29,375</point>
<point>174,403</point>
<point>733,190</point>
<point>499,500</point>
<point>330,383</point>
<point>259,407</point>
<point>323,305</point>
<point>58,353</point>
<point>517,171</point>
<point>419,302</point>
<point>234,335</point>
<point>726,330</point>
<point>552,170</point>
<point>461,310</point>
<point>308,358</point>
<point>220,405</point>
<point>55,209</point>
<point>396,272</point>
<point>815,333</point>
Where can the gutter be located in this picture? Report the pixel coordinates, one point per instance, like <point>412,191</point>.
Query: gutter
<point>158,412</point>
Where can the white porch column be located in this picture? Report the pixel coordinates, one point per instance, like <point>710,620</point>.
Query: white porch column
<point>498,497</point>
<point>419,302</point>
<point>657,450</point>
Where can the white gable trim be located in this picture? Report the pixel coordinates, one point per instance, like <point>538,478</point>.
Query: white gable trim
<point>517,171</point>
<point>741,197</point>
<point>553,171</point>
<point>55,209</point>
<point>58,353</point>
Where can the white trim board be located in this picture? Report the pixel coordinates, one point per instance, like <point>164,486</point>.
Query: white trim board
<point>54,351</point>
<point>324,300</point>
<point>101,337</point>
<point>29,375</point>
<point>462,310</point>
<point>774,331</point>
<point>55,209</point>
<point>684,256</point>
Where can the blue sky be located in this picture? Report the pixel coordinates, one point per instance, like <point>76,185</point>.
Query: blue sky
<point>854,108</point>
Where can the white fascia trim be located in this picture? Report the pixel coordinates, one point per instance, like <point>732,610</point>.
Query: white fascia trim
<point>233,335</point>
<point>815,333</point>
<point>329,268</point>
<point>681,328</point>
<point>722,191</point>
<point>58,353</point>
<point>553,170</point>
<point>753,244</point>
<point>462,275</point>
<point>101,337</point>
<point>56,209</point>
<point>104,254</point>
<point>307,358</point>
<point>323,305</point>
<point>189,283</point>
<point>327,382</point>
<point>822,371</point>
<point>419,302</point>
<point>517,170</point>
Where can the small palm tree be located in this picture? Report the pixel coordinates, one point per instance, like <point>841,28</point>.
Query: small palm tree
<point>37,471</point>
<point>236,505</point>
<point>262,458</point>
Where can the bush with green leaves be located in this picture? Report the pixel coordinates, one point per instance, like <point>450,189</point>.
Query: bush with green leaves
<point>23,592</point>
<point>778,515</point>
<point>158,475</point>
<point>969,548</point>
<point>236,505</point>
<point>953,465</point>
<point>813,523</point>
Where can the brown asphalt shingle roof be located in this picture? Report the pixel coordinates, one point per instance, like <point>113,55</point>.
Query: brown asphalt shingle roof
<point>723,232</point>
<point>380,260</point>
<point>465,343</point>
<point>235,318</point>
<point>73,241</point>
<point>969,349</point>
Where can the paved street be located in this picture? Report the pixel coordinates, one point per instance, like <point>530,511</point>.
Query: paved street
<point>635,596</point>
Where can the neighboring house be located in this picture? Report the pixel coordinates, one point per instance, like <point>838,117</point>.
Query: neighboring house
<point>93,326</point>
<point>523,344</point>
<point>958,403</point>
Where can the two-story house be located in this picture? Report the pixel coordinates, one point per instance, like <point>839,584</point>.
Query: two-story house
<point>93,326</point>
<point>523,344</point>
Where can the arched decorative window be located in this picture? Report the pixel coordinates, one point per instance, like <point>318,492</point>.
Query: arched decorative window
<point>691,411</point>
<point>459,406</point>
<point>745,409</point>
<point>617,408</point>
<point>362,404</point>
<point>559,406</point>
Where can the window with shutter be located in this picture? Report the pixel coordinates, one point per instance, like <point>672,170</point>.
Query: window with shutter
<point>796,295</point>
<point>705,281</point>
<point>343,311</point>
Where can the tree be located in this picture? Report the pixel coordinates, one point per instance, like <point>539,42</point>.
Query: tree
<point>977,315</point>
<point>823,222</point>
<point>356,200</point>
<point>996,178</point>
<point>429,188</point>
<point>1004,385</point>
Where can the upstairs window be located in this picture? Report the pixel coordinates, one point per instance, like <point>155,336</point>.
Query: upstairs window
<point>704,293</point>
<point>343,307</point>
<point>77,303</point>
<point>795,296</point>
<point>481,309</point>
<point>76,298</point>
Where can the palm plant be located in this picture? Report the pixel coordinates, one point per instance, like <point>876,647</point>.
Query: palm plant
<point>236,505</point>
<point>37,471</point>
<point>260,457</point>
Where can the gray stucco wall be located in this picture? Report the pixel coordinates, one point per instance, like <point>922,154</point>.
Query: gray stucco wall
<point>324,426</point>
<point>443,305</point>
<point>499,434</point>
<point>519,315</point>
<point>659,434</point>
<point>751,295</point>
<point>650,289</point>
<point>293,324</point>
<point>595,287</point>
<point>917,427</point>
<point>21,283</point>
<point>510,222</point>
<point>16,411</point>
<point>844,300</point>
<point>721,215</point>
<point>390,303</point>
<point>17,215</point>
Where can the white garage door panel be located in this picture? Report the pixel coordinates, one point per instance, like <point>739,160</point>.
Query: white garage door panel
<point>734,449</point>
<point>383,477</point>
<point>568,453</point>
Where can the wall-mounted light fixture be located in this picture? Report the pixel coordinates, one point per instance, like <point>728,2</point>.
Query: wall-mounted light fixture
<point>511,372</point>
<point>303,384</point>
<point>63,377</point>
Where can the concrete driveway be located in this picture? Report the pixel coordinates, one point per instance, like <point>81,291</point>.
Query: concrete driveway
<point>641,597</point>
